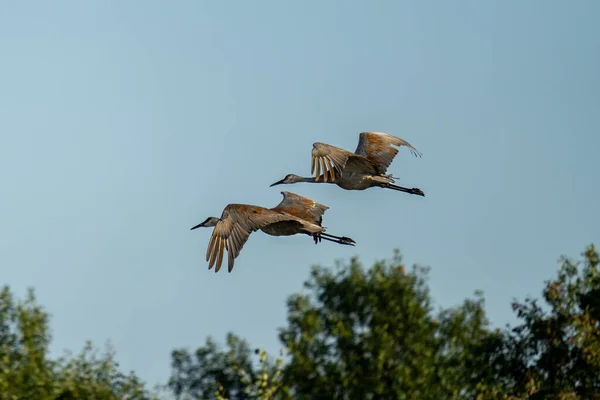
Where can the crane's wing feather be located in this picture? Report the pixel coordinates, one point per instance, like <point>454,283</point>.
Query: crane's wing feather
<point>237,222</point>
<point>301,207</point>
<point>332,160</point>
<point>378,148</point>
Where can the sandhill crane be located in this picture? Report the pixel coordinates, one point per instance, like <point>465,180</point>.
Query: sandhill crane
<point>363,169</point>
<point>294,215</point>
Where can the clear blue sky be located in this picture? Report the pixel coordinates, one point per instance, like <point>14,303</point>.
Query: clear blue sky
<point>123,124</point>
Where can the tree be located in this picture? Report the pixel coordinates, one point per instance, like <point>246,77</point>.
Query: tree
<point>369,334</point>
<point>212,373</point>
<point>26,372</point>
<point>555,351</point>
<point>373,334</point>
<point>359,334</point>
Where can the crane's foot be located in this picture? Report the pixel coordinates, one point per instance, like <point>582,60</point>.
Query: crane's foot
<point>346,240</point>
<point>317,238</point>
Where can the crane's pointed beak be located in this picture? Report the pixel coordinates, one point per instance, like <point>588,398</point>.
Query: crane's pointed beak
<point>197,226</point>
<point>277,183</point>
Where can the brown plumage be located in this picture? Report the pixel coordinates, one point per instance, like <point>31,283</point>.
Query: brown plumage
<point>294,215</point>
<point>301,207</point>
<point>363,169</point>
<point>373,155</point>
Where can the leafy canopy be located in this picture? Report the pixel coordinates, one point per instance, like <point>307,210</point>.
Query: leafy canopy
<point>26,371</point>
<point>373,334</point>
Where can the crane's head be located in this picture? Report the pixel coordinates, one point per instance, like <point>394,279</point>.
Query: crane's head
<point>208,223</point>
<point>289,178</point>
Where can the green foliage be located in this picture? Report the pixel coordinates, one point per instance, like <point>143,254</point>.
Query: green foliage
<point>371,334</point>
<point>359,334</point>
<point>356,334</point>
<point>212,373</point>
<point>88,376</point>
<point>555,351</point>
<point>366,334</point>
<point>26,372</point>
<point>266,386</point>
<point>198,376</point>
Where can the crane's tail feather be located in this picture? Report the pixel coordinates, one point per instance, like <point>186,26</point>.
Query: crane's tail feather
<point>392,178</point>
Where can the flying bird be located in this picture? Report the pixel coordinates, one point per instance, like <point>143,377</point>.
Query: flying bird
<point>363,169</point>
<point>294,215</point>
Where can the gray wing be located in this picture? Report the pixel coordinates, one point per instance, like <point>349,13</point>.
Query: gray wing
<point>332,160</point>
<point>237,222</point>
<point>301,207</point>
<point>378,148</point>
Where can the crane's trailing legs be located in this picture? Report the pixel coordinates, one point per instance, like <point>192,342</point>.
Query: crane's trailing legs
<point>336,239</point>
<point>416,191</point>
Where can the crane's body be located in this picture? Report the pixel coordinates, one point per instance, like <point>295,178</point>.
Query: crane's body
<point>284,228</point>
<point>294,215</point>
<point>363,169</point>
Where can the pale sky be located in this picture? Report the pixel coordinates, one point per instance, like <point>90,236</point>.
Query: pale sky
<point>123,124</point>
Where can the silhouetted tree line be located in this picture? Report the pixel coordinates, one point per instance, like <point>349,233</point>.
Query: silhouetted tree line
<point>358,334</point>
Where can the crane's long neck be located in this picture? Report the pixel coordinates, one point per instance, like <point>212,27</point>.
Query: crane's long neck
<point>308,179</point>
<point>312,179</point>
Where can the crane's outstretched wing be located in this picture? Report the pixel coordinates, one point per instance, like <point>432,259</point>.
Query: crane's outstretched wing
<point>237,222</point>
<point>301,207</point>
<point>377,148</point>
<point>332,160</point>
